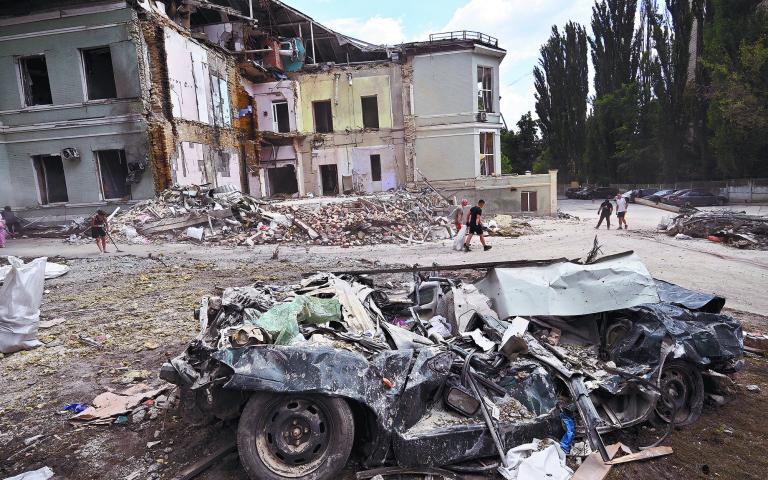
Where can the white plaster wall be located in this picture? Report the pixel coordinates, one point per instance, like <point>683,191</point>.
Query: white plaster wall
<point>188,76</point>
<point>264,94</point>
<point>361,168</point>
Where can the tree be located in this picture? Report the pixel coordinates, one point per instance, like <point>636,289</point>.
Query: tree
<point>615,58</point>
<point>673,85</point>
<point>735,62</point>
<point>562,85</point>
<point>519,150</point>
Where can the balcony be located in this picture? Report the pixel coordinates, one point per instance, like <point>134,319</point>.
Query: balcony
<point>465,35</point>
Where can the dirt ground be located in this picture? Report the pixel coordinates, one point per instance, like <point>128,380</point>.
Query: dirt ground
<point>140,309</point>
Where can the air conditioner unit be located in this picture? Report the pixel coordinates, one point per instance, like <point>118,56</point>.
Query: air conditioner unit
<point>70,153</point>
<point>482,117</point>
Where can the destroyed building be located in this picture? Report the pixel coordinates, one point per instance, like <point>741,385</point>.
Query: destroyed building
<point>109,102</point>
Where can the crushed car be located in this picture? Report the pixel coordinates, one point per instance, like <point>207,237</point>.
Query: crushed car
<point>431,368</point>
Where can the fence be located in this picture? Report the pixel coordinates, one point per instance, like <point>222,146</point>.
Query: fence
<point>753,190</point>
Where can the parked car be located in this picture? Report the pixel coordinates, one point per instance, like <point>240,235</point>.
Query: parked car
<point>658,195</point>
<point>631,195</point>
<point>696,198</point>
<point>667,198</point>
<point>327,368</point>
<point>571,192</point>
<point>598,193</point>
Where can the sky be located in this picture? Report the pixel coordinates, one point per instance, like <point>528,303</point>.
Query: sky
<point>521,26</point>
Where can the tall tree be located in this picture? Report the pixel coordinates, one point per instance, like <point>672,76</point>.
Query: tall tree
<point>735,61</point>
<point>673,85</point>
<point>562,84</point>
<point>615,58</point>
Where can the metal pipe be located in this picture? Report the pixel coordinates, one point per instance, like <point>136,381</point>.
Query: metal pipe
<point>312,35</point>
<point>250,8</point>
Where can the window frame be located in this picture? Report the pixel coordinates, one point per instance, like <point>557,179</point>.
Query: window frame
<point>374,170</point>
<point>375,98</point>
<point>330,116</point>
<point>97,156</point>
<point>484,155</point>
<point>84,73</point>
<point>275,118</point>
<point>22,69</point>
<point>485,100</point>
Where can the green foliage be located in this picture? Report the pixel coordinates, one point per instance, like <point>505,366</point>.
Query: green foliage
<point>562,83</point>
<point>681,94</point>
<point>520,149</point>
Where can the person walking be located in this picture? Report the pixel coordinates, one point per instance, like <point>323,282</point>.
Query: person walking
<point>621,211</point>
<point>99,230</point>
<point>475,226</point>
<point>2,232</point>
<point>460,214</point>
<point>12,223</point>
<point>605,210</point>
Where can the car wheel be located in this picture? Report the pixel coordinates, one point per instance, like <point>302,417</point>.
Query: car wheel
<point>684,388</point>
<point>307,437</point>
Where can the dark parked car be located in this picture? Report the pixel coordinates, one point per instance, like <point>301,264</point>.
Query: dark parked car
<point>598,193</point>
<point>571,192</point>
<point>656,197</point>
<point>666,198</point>
<point>696,198</point>
<point>640,193</point>
<point>337,366</point>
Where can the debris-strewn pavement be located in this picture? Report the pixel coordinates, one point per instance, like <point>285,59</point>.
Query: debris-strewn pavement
<point>130,304</point>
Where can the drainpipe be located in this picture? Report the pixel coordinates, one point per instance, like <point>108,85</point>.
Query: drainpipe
<point>250,8</point>
<point>336,78</point>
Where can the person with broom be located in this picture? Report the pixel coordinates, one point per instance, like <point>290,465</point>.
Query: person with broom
<point>99,230</point>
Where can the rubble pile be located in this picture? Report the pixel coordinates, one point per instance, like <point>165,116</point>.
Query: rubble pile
<point>733,228</point>
<point>228,217</point>
<point>440,367</point>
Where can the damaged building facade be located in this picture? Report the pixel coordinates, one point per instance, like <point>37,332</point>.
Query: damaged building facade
<point>249,96</point>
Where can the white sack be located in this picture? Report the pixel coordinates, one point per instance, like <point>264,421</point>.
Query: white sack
<point>52,270</point>
<point>535,461</point>
<point>40,474</point>
<point>20,298</point>
<point>458,240</point>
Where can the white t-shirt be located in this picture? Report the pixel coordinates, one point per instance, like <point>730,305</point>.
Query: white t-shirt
<point>621,204</point>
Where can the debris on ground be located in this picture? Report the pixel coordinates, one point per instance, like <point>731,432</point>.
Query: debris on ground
<point>561,215</point>
<point>110,405</point>
<point>228,217</point>
<point>20,296</point>
<point>446,376</point>
<point>40,474</point>
<point>736,229</point>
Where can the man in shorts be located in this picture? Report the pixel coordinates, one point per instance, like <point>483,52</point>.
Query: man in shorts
<point>621,211</point>
<point>475,227</point>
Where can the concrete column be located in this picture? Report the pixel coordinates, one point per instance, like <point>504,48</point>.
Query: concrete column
<point>553,192</point>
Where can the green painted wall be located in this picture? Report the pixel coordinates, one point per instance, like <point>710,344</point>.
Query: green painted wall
<point>347,111</point>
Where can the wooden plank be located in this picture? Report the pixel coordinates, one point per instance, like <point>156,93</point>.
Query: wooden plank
<point>593,468</point>
<point>643,455</point>
<point>662,206</point>
<point>201,465</point>
<point>176,223</point>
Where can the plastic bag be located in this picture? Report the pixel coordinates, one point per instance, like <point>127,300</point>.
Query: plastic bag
<point>282,321</point>
<point>20,298</point>
<point>458,240</point>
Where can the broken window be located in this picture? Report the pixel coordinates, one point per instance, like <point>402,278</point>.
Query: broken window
<point>113,171</point>
<point>220,100</point>
<point>487,164</point>
<point>223,164</point>
<point>329,175</point>
<point>99,76</point>
<point>484,89</point>
<point>528,202</point>
<point>280,119</point>
<point>376,168</point>
<point>51,182</point>
<point>34,80</point>
<point>323,115</point>
<point>282,180</point>
<point>370,112</point>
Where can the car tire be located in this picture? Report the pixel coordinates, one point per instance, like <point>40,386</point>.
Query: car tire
<point>295,436</point>
<point>684,383</point>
